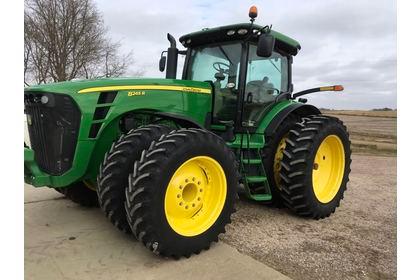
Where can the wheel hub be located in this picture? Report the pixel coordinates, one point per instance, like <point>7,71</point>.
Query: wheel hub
<point>328,168</point>
<point>190,194</point>
<point>195,196</point>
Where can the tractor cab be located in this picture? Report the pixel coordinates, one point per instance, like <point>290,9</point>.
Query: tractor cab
<point>248,66</point>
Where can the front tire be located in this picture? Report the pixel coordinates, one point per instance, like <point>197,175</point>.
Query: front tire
<point>315,166</point>
<point>117,165</point>
<point>181,193</point>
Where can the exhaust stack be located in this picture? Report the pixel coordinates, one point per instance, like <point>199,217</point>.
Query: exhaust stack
<point>172,62</point>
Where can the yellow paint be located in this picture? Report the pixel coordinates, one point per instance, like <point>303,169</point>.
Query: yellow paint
<point>195,196</point>
<point>277,160</point>
<point>328,168</point>
<point>146,87</point>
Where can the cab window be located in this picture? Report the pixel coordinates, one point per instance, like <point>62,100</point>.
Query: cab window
<point>219,64</point>
<point>267,79</point>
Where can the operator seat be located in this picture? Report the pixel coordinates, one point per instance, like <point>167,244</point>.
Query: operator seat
<point>257,94</point>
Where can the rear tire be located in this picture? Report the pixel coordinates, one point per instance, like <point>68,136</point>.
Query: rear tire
<point>315,167</point>
<point>182,191</point>
<point>80,194</point>
<point>117,165</point>
<point>272,157</point>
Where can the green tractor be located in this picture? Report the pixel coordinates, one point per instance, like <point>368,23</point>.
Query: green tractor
<point>165,159</point>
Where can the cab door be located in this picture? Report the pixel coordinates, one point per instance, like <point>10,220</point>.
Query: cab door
<point>267,81</point>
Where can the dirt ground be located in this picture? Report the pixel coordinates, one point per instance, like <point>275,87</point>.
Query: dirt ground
<point>356,242</point>
<point>359,241</point>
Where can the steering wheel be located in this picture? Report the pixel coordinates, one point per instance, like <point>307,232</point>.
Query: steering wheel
<point>221,67</point>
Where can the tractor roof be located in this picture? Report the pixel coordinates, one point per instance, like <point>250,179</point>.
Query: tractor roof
<point>219,34</point>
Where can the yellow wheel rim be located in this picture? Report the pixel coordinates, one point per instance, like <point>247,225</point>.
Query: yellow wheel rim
<point>278,156</point>
<point>328,169</point>
<point>195,196</point>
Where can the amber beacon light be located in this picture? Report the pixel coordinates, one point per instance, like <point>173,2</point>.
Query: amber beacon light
<point>253,12</point>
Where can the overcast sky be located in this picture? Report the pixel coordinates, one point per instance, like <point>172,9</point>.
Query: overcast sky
<point>352,43</point>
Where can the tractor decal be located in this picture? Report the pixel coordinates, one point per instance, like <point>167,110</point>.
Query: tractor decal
<point>147,87</point>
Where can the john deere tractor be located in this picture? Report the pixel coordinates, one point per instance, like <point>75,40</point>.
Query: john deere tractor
<point>166,158</point>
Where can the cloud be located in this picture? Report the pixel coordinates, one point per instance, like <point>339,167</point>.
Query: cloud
<point>343,42</point>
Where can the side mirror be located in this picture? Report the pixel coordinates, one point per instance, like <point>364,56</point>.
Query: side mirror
<point>162,63</point>
<point>265,45</point>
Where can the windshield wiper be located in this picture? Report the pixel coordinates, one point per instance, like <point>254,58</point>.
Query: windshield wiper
<point>274,65</point>
<point>224,53</point>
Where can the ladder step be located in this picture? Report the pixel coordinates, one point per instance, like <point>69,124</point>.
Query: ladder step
<point>251,161</point>
<point>256,179</point>
<point>261,197</point>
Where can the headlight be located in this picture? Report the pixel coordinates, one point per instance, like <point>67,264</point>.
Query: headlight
<point>44,99</point>
<point>242,31</point>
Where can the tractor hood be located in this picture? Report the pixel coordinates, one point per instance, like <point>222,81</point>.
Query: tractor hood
<point>117,84</point>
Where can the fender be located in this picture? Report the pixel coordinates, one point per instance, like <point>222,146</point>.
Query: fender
<point>110,134</point>
<point>181,120</point>
<point>279,113</point>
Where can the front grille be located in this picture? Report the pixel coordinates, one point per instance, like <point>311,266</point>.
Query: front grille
<point>53,125</point>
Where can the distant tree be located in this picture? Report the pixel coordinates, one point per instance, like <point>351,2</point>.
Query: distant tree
<point>382,109</point>
<point>67,39</point>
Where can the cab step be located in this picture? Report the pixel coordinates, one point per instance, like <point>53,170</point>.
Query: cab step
<point>251,161</point>
<point>256,179</point>
<point>261,197</point>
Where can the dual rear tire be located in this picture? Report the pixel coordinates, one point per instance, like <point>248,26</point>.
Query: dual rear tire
<point>312,174</point>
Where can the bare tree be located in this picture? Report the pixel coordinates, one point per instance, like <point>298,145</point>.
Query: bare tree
<point>67,39</point>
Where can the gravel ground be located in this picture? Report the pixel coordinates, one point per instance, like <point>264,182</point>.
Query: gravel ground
<point>357,242</point>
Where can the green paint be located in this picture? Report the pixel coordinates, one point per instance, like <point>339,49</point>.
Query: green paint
<point>90,152</point>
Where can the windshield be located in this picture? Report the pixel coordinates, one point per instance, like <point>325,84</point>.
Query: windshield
<point>215,63</point>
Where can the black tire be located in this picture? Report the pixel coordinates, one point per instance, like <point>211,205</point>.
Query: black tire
<point>117,165</point>
<point>80,194</point>
<point>60,190</point>
<point>149,182</point>
<point>268,154</point>
<point>298,163</point>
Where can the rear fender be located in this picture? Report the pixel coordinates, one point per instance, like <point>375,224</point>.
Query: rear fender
<point>273,120</point>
